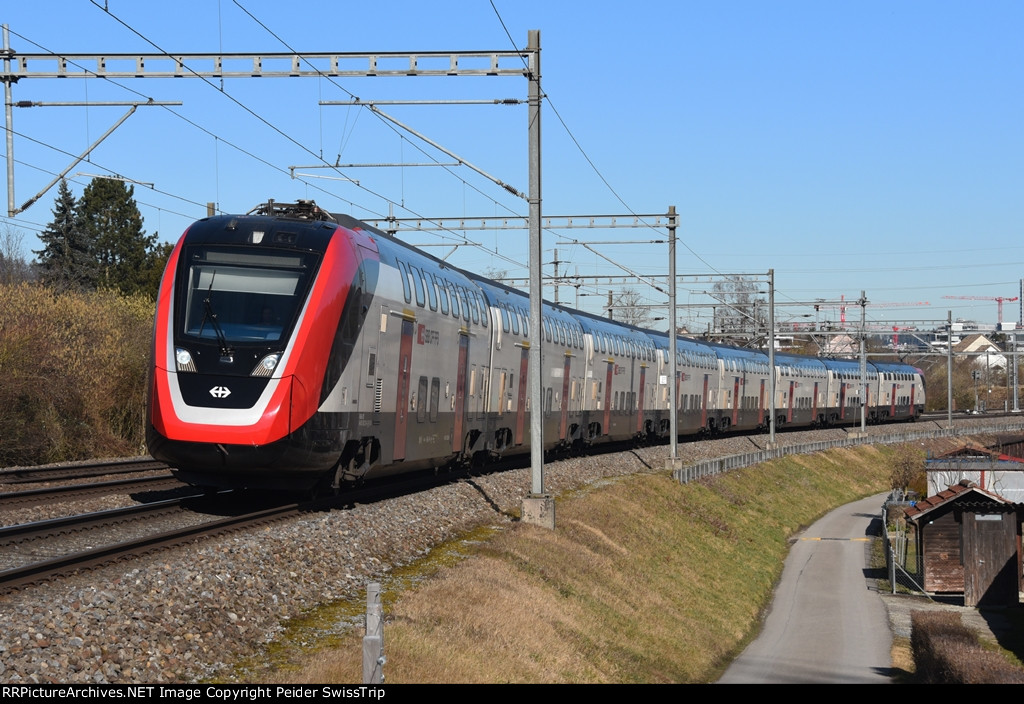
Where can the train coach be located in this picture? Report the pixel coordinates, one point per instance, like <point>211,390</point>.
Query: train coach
<point>296,349</point>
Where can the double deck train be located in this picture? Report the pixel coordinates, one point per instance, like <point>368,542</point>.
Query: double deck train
<point>294,348</point>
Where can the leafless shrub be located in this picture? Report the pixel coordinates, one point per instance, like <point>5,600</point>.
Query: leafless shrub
<point>74,368</point>
<point>947,652</point>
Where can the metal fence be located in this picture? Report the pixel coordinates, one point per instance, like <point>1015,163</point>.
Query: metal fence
<point>903,567</point>
<point>707,468</point>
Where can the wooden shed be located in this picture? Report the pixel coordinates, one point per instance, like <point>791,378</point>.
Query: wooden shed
<point>969,542</point>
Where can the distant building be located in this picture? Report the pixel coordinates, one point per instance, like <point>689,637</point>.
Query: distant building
<point>987,354</point>
<point>842,346</point>
<point>987,469</point>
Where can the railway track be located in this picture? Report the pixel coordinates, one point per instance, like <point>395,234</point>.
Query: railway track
<point>45,550</point>
<point>35,544</point>
<point>32,553</point>
<point>73,492</point>
<point>78,470</point>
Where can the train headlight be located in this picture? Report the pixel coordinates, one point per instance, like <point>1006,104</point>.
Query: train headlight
<point>183,360</point>
<point>267,365</point>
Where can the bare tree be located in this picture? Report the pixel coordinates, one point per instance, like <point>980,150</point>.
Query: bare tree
<point>13,266</point>
<point>907,466</point>
<point>742,310</point>
<point>630,308</point>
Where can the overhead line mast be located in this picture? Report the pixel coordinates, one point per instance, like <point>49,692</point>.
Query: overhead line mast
<point>521,63</point>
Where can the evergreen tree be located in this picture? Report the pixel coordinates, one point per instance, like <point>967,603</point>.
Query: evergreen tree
<point>66,259</point>
<point>156,263</point>
<point>112,222</point>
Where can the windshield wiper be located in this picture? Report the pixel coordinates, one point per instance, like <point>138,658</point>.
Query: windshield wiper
<point>209,314</point>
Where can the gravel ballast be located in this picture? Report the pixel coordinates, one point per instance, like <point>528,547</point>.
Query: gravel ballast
<point>191,613</point>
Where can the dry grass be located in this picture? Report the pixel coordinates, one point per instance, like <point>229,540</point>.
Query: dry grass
<point>643,580</point>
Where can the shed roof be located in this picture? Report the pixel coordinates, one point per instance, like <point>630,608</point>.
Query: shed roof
<point>958,492</point>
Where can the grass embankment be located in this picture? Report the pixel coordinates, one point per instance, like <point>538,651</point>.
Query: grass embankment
<point>643,580</point>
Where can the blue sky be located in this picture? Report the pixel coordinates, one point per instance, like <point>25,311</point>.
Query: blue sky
<point>871,146</point>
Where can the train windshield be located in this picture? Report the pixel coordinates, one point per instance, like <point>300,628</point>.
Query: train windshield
<point>237,296</point>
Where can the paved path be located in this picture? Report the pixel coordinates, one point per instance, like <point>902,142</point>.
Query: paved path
<point>826,623</point>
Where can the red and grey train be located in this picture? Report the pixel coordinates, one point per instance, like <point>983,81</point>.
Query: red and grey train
<point>294,348</point>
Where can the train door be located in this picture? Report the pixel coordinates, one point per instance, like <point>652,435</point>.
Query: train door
<point>735,400</point>
<point>892,403</point>
<point>459,429</point>
<point>563,424</point>
<point>704,398</point>
<point>608,398</point>
<point>640,405</point>
<point>402,399</point>
<point>814,406</point>
<point>789,404</point>
<point>521,398</point>
<point>842,400</point>
<point>760,405</point>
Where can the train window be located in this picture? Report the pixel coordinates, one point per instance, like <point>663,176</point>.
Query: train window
<point>417,279</point>
<point>435,397</point>
<point>421,400</point>
<point>406,288</point>
<point>454,298</point>
<point>241,297</point>
<point>465,303</point>
<point>474,308</point>
<point>431,291</point>
<point>442,294</point>
<point>483,307</point>
<point>504,318</point>
<point>515,322</point>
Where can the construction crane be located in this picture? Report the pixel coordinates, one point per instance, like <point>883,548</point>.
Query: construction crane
<point>998,299</point>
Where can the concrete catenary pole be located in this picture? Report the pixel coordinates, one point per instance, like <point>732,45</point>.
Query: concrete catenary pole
<point>673,371</point>
<point>538,508</point>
